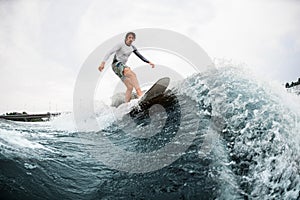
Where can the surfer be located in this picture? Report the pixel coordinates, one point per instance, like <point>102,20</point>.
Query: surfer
<point>122,52</point>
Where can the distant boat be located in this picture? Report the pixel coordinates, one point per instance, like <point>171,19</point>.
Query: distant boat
<point>28,117</point>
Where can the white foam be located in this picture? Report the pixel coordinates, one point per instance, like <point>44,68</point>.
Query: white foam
<point>105,115</point>
<point>64,122</point>
<point>15,138</point>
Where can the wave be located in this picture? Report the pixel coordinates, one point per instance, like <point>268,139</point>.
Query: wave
<point>246,145</point>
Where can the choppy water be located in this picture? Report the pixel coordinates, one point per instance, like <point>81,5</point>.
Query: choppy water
<point>246,146</point>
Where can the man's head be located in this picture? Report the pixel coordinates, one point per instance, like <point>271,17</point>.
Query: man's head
<point>129,38</point>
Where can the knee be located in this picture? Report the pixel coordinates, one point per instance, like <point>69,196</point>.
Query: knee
<point>126,71</point>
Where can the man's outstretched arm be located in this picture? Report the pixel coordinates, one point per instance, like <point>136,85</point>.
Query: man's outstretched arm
<point>137,53</point>
<point>108,54</point>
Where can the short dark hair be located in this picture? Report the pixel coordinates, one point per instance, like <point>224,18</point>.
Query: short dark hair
<point>130,33</point>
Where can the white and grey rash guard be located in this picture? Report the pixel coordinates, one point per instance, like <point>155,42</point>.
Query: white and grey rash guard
<point>122,52</point>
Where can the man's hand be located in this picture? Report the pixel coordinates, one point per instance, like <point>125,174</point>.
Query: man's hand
<point>152,65</point>
<point>101,67</point>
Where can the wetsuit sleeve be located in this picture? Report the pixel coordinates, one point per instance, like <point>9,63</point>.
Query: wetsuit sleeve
<point>137,53</point>
<point>110,52</point>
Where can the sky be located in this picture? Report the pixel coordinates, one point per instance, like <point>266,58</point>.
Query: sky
<point>44,43</point>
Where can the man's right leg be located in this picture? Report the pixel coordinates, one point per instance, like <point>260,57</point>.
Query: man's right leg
<point>129,87</point>
<point>133,80</point>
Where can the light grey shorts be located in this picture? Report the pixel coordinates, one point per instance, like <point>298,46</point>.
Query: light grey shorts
<point>118,68</point>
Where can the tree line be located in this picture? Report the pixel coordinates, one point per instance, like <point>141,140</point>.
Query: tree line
<point>288,85</point>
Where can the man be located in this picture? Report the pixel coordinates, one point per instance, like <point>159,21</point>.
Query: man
<point>122,51</point>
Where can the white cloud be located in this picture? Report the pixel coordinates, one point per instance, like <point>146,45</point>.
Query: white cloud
<point>251,32</point>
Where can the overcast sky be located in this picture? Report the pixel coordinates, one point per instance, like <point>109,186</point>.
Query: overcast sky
<point>44,42</point>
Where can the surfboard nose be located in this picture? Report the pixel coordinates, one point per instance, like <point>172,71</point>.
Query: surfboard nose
<point>158,88</point>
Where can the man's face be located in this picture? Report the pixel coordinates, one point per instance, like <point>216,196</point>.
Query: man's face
<point>129,39</point>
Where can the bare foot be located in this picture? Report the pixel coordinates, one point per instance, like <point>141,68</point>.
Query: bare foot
<point>139,92</point>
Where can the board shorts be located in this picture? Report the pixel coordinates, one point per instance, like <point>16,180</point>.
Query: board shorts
<point>118,68</point>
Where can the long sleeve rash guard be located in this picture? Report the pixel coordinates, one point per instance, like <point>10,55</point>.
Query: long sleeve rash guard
<point>122,52</point>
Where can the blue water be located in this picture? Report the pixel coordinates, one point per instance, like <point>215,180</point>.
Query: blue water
<point>246,146</point>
